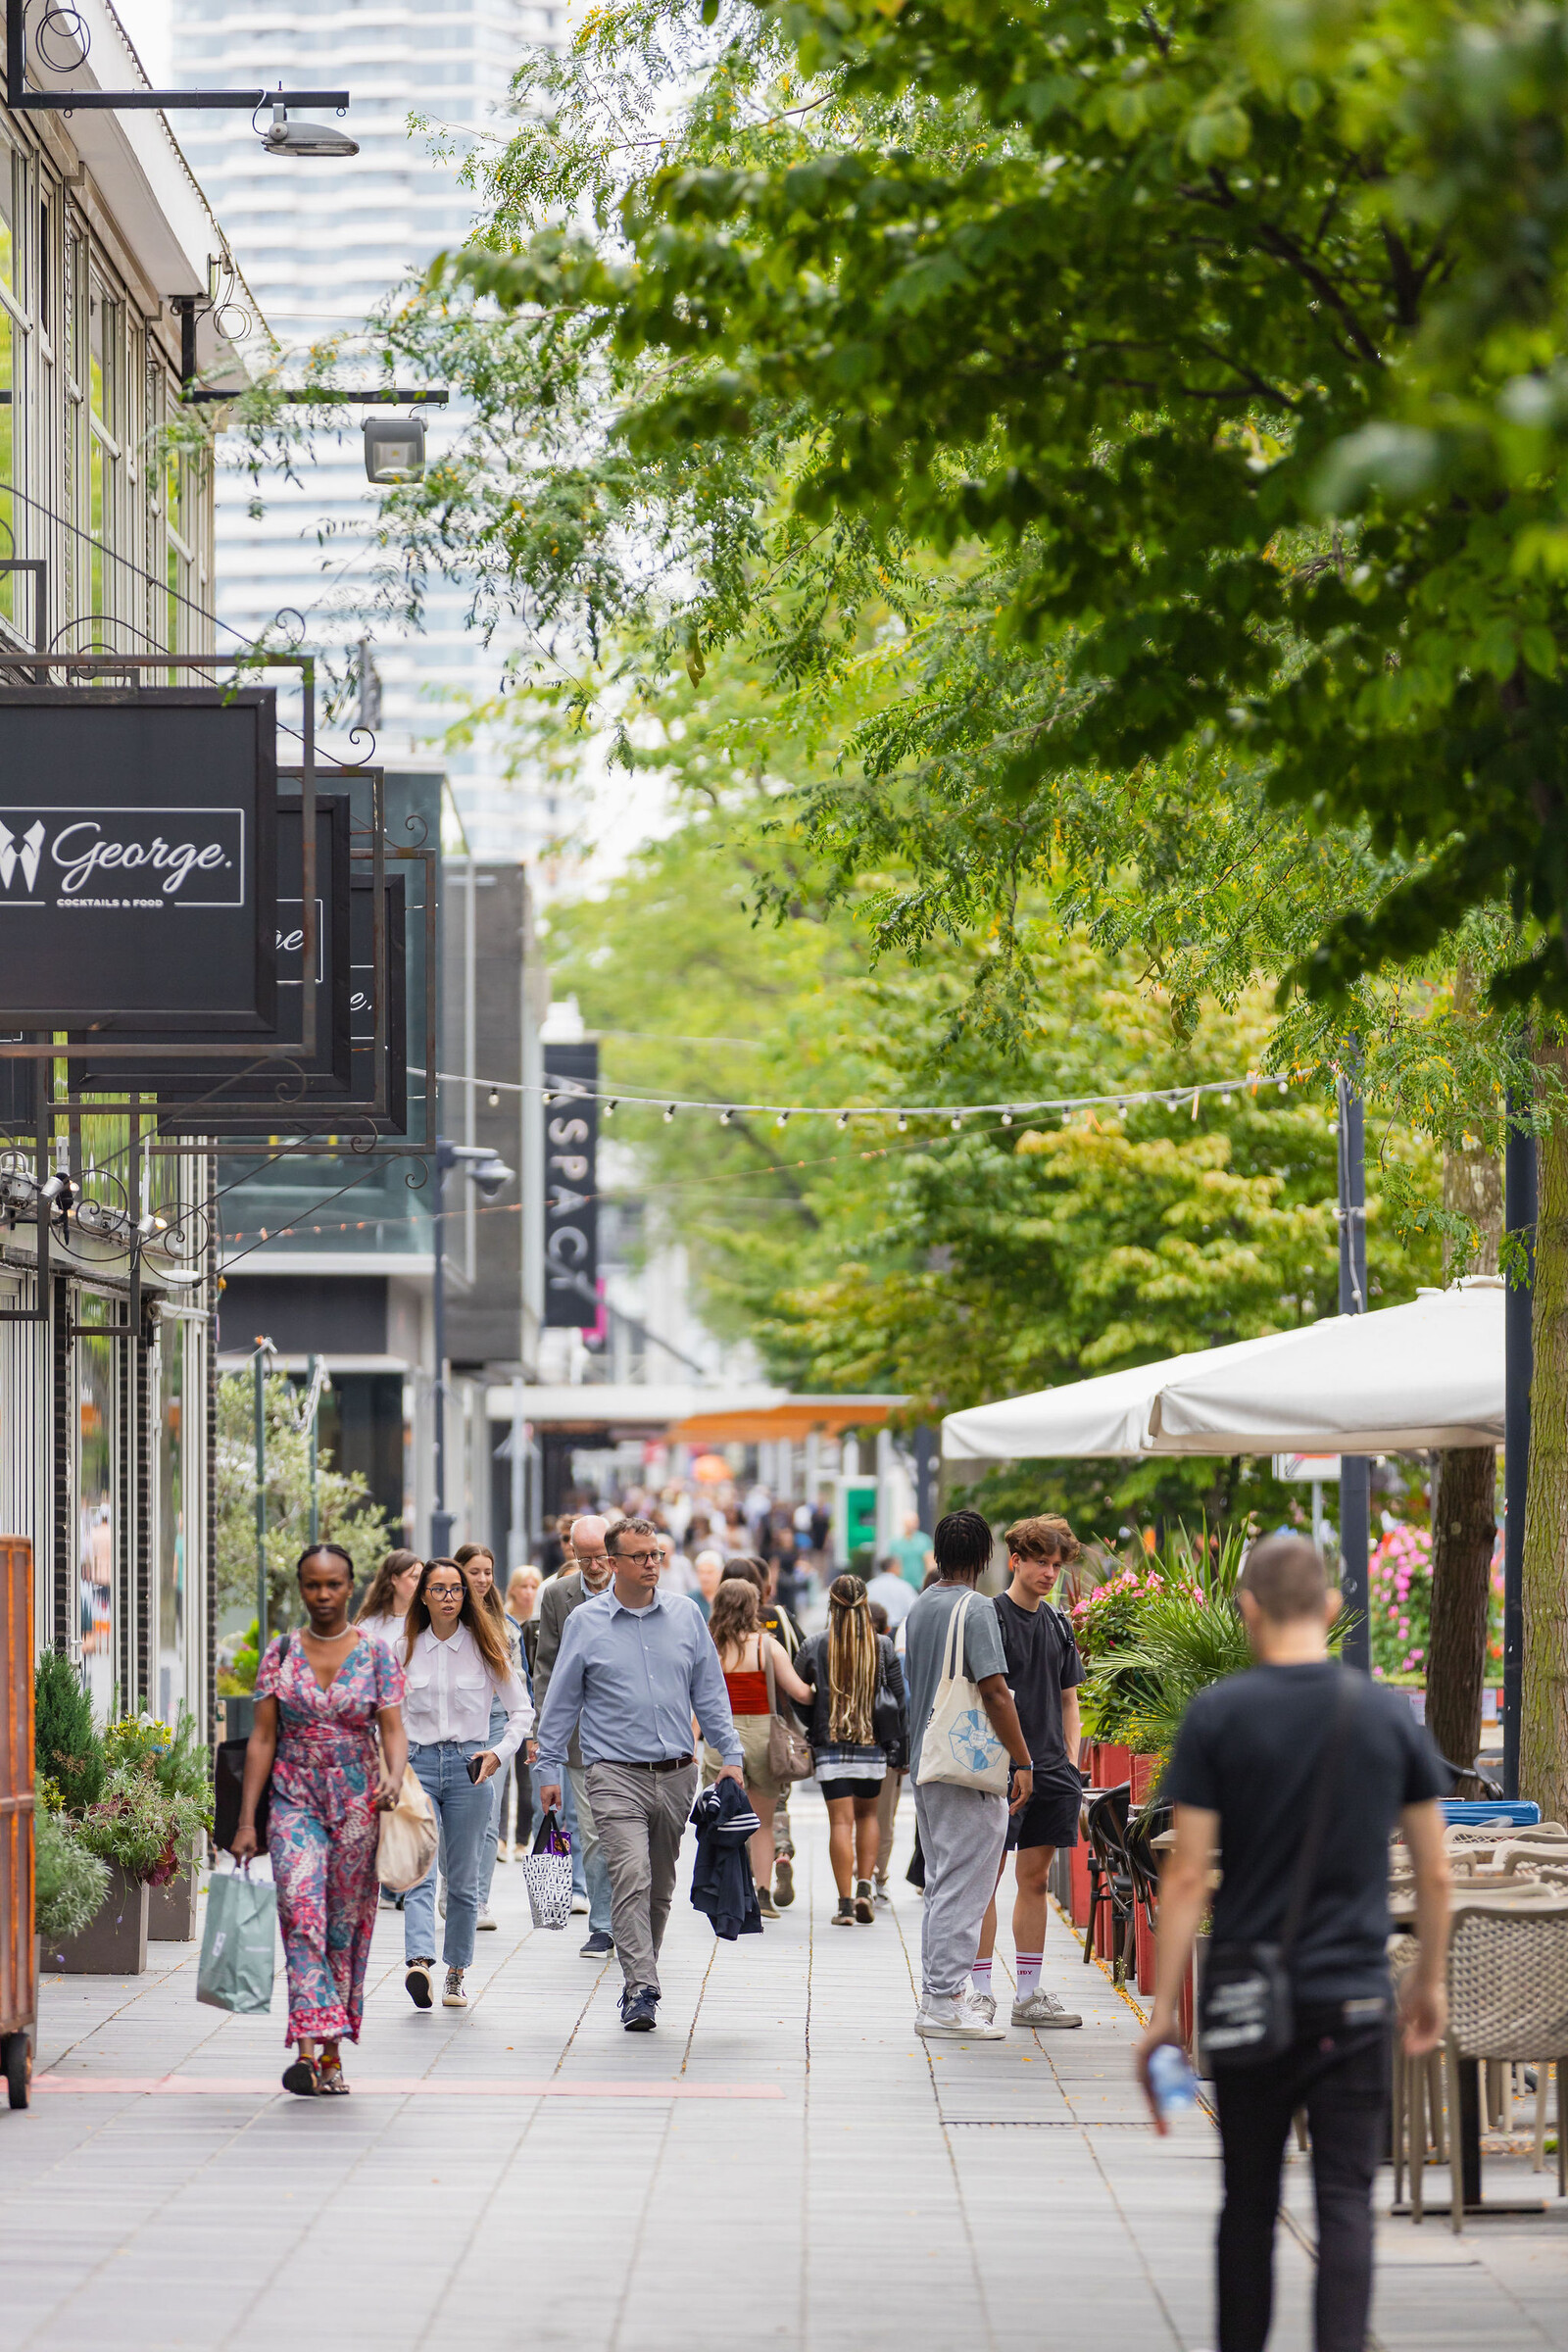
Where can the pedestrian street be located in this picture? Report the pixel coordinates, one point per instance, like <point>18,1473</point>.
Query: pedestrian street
<point>783,2162</point>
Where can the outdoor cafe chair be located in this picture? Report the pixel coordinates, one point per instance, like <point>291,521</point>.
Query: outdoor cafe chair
<point>1112,1881</point>
<point>1507,1999</point>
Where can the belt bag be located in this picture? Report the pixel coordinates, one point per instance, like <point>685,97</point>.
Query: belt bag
<point>1246,2010</point>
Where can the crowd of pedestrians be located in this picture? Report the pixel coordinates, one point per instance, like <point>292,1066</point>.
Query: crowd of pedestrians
<point>617,1688</point>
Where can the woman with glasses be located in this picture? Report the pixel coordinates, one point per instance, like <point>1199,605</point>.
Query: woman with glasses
<point>456,1665</point>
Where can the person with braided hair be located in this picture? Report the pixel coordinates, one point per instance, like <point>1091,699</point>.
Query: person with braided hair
<point>848,1667</point>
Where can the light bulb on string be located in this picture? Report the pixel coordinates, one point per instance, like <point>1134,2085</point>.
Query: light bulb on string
<point>609,1108</point>
<point>1007,1118</point>
<point>670,1113</point>
<point>842,1120</point>
<point>903,1124</point>
<point>493,1097</point>
<point>955,1123</point>
<point>1284,1088</point>
<point>1225,1100</point>
<point>783,1118</point>
<point>724,1117</point>
<point>547,1096</point>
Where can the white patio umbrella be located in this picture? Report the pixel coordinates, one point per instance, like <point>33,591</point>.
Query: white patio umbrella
<point>1395,1381</point>
<point>1109,1415</point>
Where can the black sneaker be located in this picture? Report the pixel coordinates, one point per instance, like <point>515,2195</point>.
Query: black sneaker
<point>638,2004</point>
<point>598,1945</point>
<point>418,1982</point>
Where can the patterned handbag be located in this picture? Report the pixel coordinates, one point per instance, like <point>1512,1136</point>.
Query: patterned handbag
<point>547,1874</point>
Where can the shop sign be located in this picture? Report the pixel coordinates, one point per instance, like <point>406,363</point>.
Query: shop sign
<point>571,1186</point>
<point>138,860</point>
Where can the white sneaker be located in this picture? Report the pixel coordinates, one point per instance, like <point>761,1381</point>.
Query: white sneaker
<point>952,2021</point>
<point>454,1996</point>
<point>881,1897</point>
<point>984,2004</point>
<point>486,1917</point>
<point>1042,2009</point>
<point>580,1903</point>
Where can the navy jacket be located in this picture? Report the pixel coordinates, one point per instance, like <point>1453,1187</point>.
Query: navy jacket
<point>721,1882</point>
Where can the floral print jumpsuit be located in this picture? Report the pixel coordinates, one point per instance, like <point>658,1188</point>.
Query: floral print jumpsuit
<point>323,1828</point>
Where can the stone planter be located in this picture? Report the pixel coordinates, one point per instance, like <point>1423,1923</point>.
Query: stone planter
<point>115,1944</point>
<point>172,1907</point>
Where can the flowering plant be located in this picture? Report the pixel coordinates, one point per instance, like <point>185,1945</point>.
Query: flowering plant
<point>1106,1617</point>
<point>1399,1582</point>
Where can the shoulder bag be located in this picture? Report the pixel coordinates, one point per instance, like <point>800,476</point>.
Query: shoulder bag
<point>228,1785</point>
<point>1246,2009</point>
<point>889,1726</point>
<point>958,1743</point>
<point>789,1753</point>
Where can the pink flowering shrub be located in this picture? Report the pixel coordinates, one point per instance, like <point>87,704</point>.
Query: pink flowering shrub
<point>1106,1618</point>
<point>1400,1596</point>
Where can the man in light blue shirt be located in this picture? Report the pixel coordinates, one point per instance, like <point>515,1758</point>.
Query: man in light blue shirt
<point>634,1666</point>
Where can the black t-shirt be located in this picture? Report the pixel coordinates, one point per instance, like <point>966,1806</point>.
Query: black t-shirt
<point>1042,1662</point>
<point>1248,1750</point>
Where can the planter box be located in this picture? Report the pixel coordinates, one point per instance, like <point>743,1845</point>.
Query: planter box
<point>1112,1765</point>
<point>116,1942</point>
<point>172,1907</point>
<point>1145,1773</point>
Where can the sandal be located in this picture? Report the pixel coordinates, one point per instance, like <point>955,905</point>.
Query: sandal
<point>303,2078</point>
<point>332,2084</point>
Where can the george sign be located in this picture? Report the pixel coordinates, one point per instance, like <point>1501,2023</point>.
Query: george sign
<point>570,1186</point>
<point>231,1084</point>
<point>138,859</point>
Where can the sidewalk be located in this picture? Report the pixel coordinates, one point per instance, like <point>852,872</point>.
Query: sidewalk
<point>783,2163</point>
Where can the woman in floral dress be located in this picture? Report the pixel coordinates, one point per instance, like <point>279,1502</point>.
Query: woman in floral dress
<point>320,1695</point>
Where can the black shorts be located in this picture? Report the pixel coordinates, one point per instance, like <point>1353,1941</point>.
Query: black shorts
<point>1050,1817</point>
<point>869,1789</point>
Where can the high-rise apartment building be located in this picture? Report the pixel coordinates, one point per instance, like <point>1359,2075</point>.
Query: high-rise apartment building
<point>320,244</point>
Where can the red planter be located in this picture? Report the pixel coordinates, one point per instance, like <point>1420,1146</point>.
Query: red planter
<point>1112,1765</point>
<point>1145,1770</point>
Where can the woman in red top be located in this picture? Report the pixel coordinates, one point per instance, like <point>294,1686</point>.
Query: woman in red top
<point>744,1652</point>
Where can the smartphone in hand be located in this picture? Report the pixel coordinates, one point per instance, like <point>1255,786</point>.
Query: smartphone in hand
<point>473,1768</point>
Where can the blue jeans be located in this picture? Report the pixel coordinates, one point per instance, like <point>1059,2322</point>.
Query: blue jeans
<point>462,1812</point>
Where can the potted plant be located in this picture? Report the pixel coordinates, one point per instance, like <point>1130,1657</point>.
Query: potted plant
<point>143,1826</point>
<point>180,1765</point>
<point>69,1883</point>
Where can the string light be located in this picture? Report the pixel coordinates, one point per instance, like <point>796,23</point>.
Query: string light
<point>903,1124</point>
<point>844,1120</point>
<point>955,1123</point>
<point>783,1118</point>
<point>609,1108</point>
<point>1007,1118</point>
<point>669,1113</point>
<point>493,1097</point>
<point>724,1117</point>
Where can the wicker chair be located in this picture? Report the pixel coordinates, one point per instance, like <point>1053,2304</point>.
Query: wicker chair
<point>1508,1998</point>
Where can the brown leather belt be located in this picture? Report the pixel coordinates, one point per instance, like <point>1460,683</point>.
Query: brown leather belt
<point>640,1764</point>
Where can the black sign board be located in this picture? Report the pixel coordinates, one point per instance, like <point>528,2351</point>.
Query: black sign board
<point>324,1108</point>
<point>138,860</point>
<point>19,1092</point>
<point>570,1186</point>
<point>234,1084</point>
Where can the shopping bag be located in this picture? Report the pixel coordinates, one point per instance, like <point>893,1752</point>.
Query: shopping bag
<point>547,1874</point>
<point>959,1745</point>
<point>238,1943</point>
<point>406,1847</point>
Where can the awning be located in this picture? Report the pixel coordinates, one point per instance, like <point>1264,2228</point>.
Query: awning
<point>1109,1415</point>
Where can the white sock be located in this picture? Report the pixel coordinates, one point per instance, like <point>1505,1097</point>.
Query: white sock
<point>981,1974</point>
<point>1028,1966</point>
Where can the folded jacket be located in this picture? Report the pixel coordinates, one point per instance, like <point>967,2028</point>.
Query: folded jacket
<point>721,1881</point>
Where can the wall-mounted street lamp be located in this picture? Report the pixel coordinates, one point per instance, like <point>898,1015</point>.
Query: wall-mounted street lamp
<point>394,449</point>
<point>489,1174</point>
<point>65,102</point>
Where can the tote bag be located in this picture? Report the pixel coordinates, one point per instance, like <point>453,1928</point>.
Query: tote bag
<point>238,1941</point>
<point>789,1753</point>
<point>547,1874</point>
<point>959,1745</point>
<point>406,1844</point>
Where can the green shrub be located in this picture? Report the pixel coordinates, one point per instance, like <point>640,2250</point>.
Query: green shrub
<point>70,1883</point>
<point>64,1744</point>
<point>140,1826</point>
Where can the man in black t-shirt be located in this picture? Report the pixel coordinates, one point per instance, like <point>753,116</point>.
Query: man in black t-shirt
<point>1043,1671</point>
<point>1243,1779</point>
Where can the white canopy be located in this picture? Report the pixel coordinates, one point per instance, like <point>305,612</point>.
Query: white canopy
<point>1395,1381</point>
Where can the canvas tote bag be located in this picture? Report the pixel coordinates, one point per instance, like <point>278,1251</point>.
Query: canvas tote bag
<point>959,1745</point>
<point>406,1843</point>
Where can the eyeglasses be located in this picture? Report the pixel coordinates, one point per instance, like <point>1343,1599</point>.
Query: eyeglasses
<point>637,1559</point>
<point>442,1592</point>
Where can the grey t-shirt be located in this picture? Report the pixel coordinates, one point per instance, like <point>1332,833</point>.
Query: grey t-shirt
<point>926,1642</point>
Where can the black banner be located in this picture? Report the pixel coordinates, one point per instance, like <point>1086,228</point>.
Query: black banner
<point>138,859</point>
<point>570,1186</point>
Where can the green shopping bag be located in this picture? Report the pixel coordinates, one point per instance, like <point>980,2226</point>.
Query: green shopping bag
<point>235,1969</point>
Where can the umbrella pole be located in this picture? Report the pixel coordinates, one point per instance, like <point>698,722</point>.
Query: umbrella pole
<point>1518,1216</point>
<point>1356,1471</point>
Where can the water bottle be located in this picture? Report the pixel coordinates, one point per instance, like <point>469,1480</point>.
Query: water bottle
<point>1170,2079</point>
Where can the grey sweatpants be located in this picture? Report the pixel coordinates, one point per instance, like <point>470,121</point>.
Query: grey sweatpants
<point>962,1834</point>
<point>641,1817</point>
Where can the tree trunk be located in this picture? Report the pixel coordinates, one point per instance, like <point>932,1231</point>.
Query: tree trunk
<point>1464,1526</point>
<point>1543,1714</point>
<point>1464,1529</point>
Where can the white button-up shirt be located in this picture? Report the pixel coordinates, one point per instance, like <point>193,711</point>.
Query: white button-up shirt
<point>449,1692</point>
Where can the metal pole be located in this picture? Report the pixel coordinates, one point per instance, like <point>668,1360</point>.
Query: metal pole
<point>1356,1471</point>
<point>316,1422</point>
<point>517,1533</point>
<point>440,1516</point>
<point>1519,1216</point>
<point>258,1362</point>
